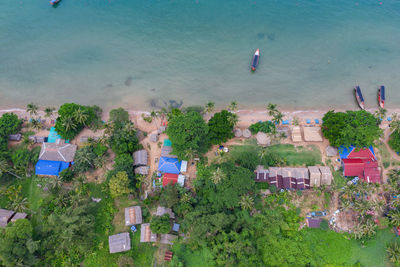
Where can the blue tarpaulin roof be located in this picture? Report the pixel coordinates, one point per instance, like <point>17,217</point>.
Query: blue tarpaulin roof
<point>48,167</point>
<point>169,165</point>
<point>344,152</point>
<point>167,142</point>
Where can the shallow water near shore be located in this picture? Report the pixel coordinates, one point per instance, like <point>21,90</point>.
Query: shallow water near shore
<point>146,54</point>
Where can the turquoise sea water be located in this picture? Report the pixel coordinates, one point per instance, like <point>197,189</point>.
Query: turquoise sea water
<point>142,53</point>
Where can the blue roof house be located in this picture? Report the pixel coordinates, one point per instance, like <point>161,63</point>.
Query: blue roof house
<point>169,165</point>
<point>55,157</point>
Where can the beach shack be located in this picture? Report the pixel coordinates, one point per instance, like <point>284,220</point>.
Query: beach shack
<point>275,177</point>
<point>315,176</point>
<point>55,157</point>
<point>326,175</point>
<point>312,134</point>
<point>184,164</point>
<point>142,170</point>
<point>133,215</point>
<point>262,174</point>
<point>140,158</point>
<point>302,177</point>
<point>163,210</point>
<point>146,235</point>
<point>167,239</point>
<point>119,242</point>
<point>169,165</point>
<point>361,163</point>
<point>287,174</point>
<point>296,134</point>
<point>5,217</point>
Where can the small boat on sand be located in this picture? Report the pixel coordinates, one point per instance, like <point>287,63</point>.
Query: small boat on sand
<point>254,62</point>
<point>359,97</point>
<point>54,2</point>
<point>381,96</point>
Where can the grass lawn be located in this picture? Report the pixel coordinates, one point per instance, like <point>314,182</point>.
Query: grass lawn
<point>197,258</point>
<point>374,251</point>
<point>298,156</point>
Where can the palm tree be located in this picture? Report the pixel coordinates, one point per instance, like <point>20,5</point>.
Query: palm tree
<point>210,107</point>
<point>186,198</point>
<point>393,252</point>
<point>68,123</point>
<point>217,176</point>
<point>362,207</point>
<point>233,106</point>
<point>49,111</point>
<point>140,181</point>
<point>358,231</point>
<point>395,218</point>
<point>19,204</point>
<point>394,177</point>
<point>246,202</point>
<point>36,124</point>
<point>80,116</point>
<point>262,153</point>
<point>380,113</point>
<point>32,109</point>
<point>276,115</point>
<point>369,229</point>
<point>395,202</point>
<point>55,183</point>
<point>296,121</point>
<point>233,119</point>
<point>5,168</point>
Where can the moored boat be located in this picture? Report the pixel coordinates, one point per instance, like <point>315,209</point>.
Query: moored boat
<point>359,97</point>
<point>254,62</point>
<point>381,96</point>
<point>54,2</point>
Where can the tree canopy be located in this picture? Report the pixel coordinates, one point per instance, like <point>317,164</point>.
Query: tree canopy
<point>119,115</point>
<point>188,133</point>
<point>72,118</point>
<point>119,184</point>
<point>9,124</point>
<point>220,127</point>
<point>160,224</point>
<point>357,128</point>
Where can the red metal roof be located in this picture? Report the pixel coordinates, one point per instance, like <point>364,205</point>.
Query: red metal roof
<point>363,153</point>
<point>364,169</point>
<point>353,167</point>
<point>170,178</point>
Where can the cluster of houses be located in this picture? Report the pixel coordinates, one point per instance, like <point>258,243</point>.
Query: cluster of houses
<point>361,163</point>
<point>170,168</point>
<point>294,178</point>
<point>7,216</point>
<point>133,216</point>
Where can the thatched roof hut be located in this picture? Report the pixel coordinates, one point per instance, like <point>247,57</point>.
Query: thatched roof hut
<point>296,134</point>
<point>163,210</point>
<point>331,151</point>
<point>246,133</point>
<point>119,243</point>
<point>326,175</point>
<point>140,158</point>
<point>15,137</point>
<point>167,239</point>
<point>238,132</point>
<point>263,139</point>
<point>5,217</point>
<point>142,170</point>
<point>312,134</point>
<point>153,138</point>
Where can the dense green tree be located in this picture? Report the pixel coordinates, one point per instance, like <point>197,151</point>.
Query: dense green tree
<point>160,224</point>
<point>72,118</point>
<point>357,128</point>
<point>276,115</point>
<point>393,252</point>
<point>119,115</point>
<point>210,107</point>
<point>21,158</point>
<point>123,138</point>
<point>119,184</point>
<point>188,132</point>
<point>67,175</point>
<point>17,247</point>
<point>49,111</point>
<point>220,127</point>
<point>169,196</point>
<point>9,124</point>
<point>124,162</point>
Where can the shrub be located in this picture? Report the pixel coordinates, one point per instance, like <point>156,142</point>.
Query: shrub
<point>119,115</point>
<point>160,224</point>
<point>67,175</point>
<point>220,127</point>
<point>265,127</point>
<point>119,185</point>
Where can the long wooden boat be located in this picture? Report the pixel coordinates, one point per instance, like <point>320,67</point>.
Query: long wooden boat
<point>256,58</point>
<point>381,96</point>
<point>359,97</point>
<point>54,2</point>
